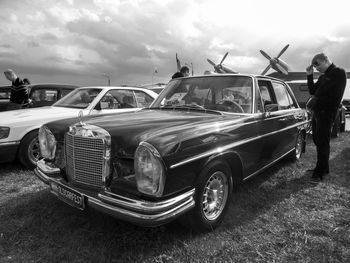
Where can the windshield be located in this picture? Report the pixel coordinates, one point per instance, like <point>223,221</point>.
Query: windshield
<point>220,93</point>
<point>78,98</point>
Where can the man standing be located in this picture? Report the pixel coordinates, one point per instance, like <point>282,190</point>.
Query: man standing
<point>184,72</point>
<point>328,92</point>
<point>19,93</point>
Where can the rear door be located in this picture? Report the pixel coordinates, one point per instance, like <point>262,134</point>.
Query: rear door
<point>274,126</point>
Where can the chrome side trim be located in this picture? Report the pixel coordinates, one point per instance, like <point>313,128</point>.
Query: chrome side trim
<point>234,144</point>
<point>268,165</point>
<point>9,143</point>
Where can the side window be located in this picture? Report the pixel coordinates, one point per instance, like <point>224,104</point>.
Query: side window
<point>143,100</point>
<point>51,95</point>
<point>284,100</point>
<point>44,95</point>
<point>64,92</point>
<point>304,88</point>
<point>266,96</point>
<point>118,99</point>
<point>5,94</point>
<point>108,101</point>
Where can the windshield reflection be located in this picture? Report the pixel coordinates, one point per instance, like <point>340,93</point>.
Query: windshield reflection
<point>220,93</point>
<point>78,98</point>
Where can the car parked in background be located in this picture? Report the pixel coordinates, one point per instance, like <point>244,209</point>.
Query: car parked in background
<point>19,128</point>
<point>182,156</point>
<point>302,95</point>
<point>346,104</point>
<point>156,87</point>
<point>47,94</point>
<point>5,92</point>
<point>39,94</point>
<point>346,98</point>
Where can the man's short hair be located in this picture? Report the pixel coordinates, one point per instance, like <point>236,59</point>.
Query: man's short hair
<point>320,57</point>
<point>184,69</point>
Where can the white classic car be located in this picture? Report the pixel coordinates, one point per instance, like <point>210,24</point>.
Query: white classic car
<point>19,128</point>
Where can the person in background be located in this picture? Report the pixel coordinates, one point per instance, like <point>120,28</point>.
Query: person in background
<point>26,81</point>
<point>19,93</point>
<point>184,72</point>
<point>327,94</point>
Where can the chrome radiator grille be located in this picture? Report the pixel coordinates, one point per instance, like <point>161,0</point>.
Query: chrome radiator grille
<point>85,159</point>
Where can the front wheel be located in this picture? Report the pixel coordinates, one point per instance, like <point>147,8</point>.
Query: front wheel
<point>213,192</point>
<point>29,151</point>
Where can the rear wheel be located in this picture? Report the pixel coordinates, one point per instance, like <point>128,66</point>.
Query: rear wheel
<point>29,151</point>
<point>213,192</point>
<point>342,126</point>
<point>336,127</point>
<point>299,148</point>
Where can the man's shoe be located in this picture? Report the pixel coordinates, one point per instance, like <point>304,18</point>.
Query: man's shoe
<point>318,175</point>
<point>315,170</point>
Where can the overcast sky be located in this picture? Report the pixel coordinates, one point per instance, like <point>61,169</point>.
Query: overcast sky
<point>77,41</point>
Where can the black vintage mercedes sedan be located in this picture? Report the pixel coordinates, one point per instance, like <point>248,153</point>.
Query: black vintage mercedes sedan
<point>181,157</point>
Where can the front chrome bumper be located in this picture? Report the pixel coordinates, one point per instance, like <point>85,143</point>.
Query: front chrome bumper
<point>133,210</point>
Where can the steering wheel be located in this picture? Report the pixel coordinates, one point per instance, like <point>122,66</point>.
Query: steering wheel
<point>233,105</point>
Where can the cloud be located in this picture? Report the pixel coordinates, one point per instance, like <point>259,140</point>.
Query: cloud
<point>128,39</point>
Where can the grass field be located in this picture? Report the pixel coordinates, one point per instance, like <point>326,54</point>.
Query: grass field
<point>278,216</point>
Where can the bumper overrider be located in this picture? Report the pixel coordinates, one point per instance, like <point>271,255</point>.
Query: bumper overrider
<point>133,210</point>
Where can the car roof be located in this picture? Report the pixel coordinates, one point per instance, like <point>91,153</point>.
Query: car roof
<point>53,85</point>
<point>233,74</point>
<point>297,81</point>
<point>113,87</point>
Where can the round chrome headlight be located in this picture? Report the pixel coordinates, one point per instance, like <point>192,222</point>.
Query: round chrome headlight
<point>149,170</point>
<point>47,143</point>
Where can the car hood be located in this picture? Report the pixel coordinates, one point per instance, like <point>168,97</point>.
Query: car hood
<point>33,115</point>
<point>164,129</point>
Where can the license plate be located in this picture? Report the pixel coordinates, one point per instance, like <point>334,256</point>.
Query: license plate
<point>68,195</point>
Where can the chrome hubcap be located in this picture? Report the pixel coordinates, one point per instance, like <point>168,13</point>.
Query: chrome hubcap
<point>215,195</point>
<point>34,150</point>
<point>299,146</point>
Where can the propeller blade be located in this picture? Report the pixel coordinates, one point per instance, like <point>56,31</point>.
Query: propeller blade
<point>228,70</point>
<point>282,51</point>
<point>265,55</point>
<point>281,69</point>
<point>265,70</point>
<point>220,70</point>
<point>222,60</point>
<point>178,64</point>
<point>211,62</point>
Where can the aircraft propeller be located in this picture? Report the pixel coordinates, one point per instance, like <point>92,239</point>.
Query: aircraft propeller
<point>220,68</point>
<point>276,63</point>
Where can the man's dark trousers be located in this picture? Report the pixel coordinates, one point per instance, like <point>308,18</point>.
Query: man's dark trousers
<point>322,122</point>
